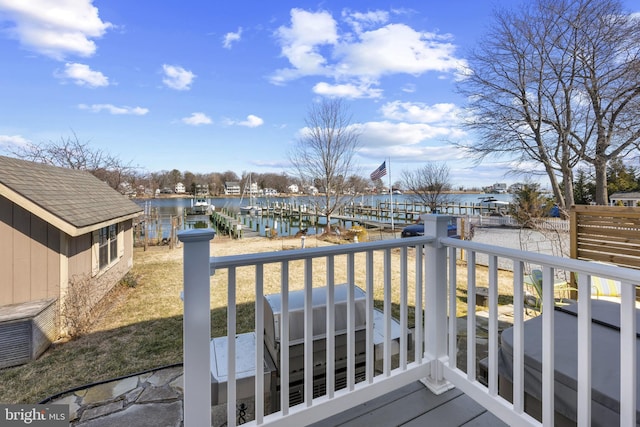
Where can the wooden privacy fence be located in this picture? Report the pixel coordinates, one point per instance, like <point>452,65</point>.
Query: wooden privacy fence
<point>607,234</point>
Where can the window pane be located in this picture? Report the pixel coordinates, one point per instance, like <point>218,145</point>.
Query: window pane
<point>113,249</point>
<point>113,245</point>
<point>104,256</point>
<point>103,247</point>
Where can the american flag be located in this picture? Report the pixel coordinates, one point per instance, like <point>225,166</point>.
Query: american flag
<point>380,172</point>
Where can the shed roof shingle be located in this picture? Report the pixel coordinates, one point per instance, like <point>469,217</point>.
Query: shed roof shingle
<point>74,196</point>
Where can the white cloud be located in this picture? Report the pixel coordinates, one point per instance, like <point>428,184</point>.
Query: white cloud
<point>177,77</point>
<point>410,142</point>
<point>409,88</point>
<point>369,48</point>
<point>112,109</point>
<point>252,121</point>
<point>421,113</point>
<point>402,134</point>
<point>9,140</point>
<point>349,90</point>
<point>82,75</point>
<point>359,20</point>
<point>230,38</point>
<point>197,119</point>
<point>301,42</point>
<point>397,48</point>
<point>55,29</point>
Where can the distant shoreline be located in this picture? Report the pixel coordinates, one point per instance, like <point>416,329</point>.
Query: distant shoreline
<point>231,196</point>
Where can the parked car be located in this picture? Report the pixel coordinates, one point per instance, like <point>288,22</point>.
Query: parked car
<point>414,230</point>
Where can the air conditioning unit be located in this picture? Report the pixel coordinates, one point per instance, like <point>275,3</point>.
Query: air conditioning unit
<point>27,330</point>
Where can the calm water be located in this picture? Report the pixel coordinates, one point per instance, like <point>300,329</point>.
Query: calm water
<point>165,209</point>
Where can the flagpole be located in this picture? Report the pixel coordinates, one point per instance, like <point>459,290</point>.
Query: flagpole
<point>391,195</point>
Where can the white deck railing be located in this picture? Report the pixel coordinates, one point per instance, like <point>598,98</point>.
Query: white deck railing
<point>382,268</point>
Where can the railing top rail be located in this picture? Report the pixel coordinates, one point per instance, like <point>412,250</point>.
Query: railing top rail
<point>592,268</point>
<point>298,254</point>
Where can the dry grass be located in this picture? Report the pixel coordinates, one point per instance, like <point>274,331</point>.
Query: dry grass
<point>140,327</point>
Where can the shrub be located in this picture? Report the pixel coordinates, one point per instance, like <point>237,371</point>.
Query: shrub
<point>130,280</point>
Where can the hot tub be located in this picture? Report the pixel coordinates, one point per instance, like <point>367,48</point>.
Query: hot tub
<point>605,372</point>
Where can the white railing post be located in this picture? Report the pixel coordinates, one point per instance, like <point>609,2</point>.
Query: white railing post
<point>197,327</point>
<point>435,280</point>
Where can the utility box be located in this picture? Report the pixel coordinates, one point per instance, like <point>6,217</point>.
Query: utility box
<point>27,330</point>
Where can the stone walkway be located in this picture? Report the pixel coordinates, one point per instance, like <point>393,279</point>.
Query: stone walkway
<point>151,399</point>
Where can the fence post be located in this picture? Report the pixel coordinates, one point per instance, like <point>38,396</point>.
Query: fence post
<point>196,327</point>
<point>435,278</point>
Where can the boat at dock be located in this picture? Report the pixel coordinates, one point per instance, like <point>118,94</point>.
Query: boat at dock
<point>494,205</point>
<point>200,206</point>
<point>252,208</point>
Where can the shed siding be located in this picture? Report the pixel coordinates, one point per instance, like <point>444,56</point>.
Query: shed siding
<point>29,256</point>
<point>54,276</point>
<point>38,259</point>
<point>21,255</point>
<point>80,255</point>
<point>6,252</point>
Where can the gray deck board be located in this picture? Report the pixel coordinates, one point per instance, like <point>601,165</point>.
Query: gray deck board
<point>415,405</point>
<point>455,413</point>
<point>487,419</point>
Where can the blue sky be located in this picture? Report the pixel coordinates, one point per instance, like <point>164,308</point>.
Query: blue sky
<point>208,86</point>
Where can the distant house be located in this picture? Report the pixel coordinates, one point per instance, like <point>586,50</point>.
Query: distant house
<point>232,188</point>
<point>293,188</point>
<point>58,228</point>
<point>180,189</point>
<point>253,188</point>
<point>499,187</point>
<point>202,189</point>
<point>626,199</point>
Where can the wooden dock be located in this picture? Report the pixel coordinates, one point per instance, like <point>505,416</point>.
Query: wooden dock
<point>383,216</point>
<point>226,224</point>
<point>379,215</point>
<point>231,224</point>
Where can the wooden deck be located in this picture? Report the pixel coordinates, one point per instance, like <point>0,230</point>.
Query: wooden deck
<point>416,405</point>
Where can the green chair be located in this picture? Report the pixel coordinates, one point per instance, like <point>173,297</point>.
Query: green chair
<point>533,296</point>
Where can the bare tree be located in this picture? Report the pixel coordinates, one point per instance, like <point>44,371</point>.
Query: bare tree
<point>71,153</point>
<point>356,185</point>
<point>279,182</point>
<point>557,82</point>
<point>609,57</point>
<point>430,184</point>
<point>325,153</point>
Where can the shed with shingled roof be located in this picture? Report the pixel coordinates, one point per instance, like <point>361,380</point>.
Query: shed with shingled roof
<point>63,232</point>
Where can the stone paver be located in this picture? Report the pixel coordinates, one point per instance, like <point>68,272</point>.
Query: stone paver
<point>149,399</point>
<point>164,376</point>
<point>109,391</point>
<point>102,410</point>
<point>144,415</point>
<point>72,401</point>
<point>158,394</point>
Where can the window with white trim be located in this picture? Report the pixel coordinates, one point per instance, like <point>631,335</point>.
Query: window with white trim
<point>106,247</point>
